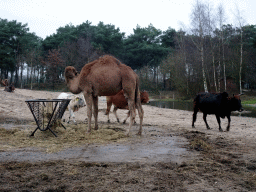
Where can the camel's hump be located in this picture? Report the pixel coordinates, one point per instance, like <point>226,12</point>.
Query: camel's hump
<point>107,59</point>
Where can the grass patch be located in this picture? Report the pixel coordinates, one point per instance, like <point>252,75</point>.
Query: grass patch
<point>249,107</point>
<point>250,101</point>
<point>169,99</point>
<point>74,135</point>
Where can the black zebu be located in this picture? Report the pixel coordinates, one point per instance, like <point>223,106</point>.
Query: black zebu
<point>216,103</point>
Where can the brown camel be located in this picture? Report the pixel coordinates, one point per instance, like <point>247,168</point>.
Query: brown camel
<point>105,77</point>
<point>4,82</point>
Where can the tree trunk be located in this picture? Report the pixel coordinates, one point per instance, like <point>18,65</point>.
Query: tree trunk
<point>11,80</point>
<point>154,76</point>
<point>224,78</point>
<point>203,70</point>
<point>27,81</point>
<point>187,69</point>
<point>219,68</point>
<point>157,76</point>
<point>16,77</point>
<point>224,65</point>
<point>6,74</point>
<point>164,81</point>
<point>214,74</point>
<point>188,73</point>
<point>21,74</point>
<point>31,86</point>
<point>241,62</point>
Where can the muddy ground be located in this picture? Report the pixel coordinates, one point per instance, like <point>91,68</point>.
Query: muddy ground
<point>205,160</point>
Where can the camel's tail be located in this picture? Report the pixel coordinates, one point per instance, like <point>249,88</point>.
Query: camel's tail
<point>138,104</point>
<point>137,92</point>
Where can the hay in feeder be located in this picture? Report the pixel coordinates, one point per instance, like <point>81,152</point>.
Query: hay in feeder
<point>73,135</point>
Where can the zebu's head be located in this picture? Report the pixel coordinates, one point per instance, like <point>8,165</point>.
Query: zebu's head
<point>235,103</point>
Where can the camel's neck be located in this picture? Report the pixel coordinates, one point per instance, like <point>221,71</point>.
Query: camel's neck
<point>73,85</point>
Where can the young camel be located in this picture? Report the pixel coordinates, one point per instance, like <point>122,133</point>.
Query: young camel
<point>105,77</point>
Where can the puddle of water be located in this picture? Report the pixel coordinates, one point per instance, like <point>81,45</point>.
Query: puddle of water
<point>188,106</point>
<point>13,126</point>
<point>160,149</point>
<point>8,126</point>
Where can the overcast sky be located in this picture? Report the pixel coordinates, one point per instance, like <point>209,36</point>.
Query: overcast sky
<point>45,16</point>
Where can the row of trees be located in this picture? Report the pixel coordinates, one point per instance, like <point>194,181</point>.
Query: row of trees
<point>209,56</point>
<point>46,59</point>
<point>212,56</point>
<point>17,47</point>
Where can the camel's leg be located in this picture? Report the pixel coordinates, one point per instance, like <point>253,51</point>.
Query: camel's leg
<point>114,111</point>
<point>131,106</point>
<point>109,104</point>
<point>88,99</point>
<point>141,113</point>
<point>130,96</point>
<point>95,111</point>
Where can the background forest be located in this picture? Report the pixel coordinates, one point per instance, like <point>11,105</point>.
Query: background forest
<point>206,56</point>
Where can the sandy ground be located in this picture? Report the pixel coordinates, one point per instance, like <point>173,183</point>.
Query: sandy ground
<point>242,128</point>
<point>229,166</point>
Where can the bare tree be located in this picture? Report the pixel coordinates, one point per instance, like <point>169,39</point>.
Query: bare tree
<point>181,44</point>
<point>211,38</point>
<point>78,53</point>
<point>200,27</point>
<point>221,19</point>
<point>54,65</point>
<point>30,58</point>
<point>240,21</point>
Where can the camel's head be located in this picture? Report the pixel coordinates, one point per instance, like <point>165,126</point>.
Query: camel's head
<point>71,80</point>
<point>70,73</point>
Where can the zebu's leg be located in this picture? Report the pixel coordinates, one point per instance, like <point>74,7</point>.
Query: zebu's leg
<point>114,111</point>
<point>204,117</point>
<point>218,120</point>
<point>229,120</point>
<point>194,116</point>
<point>109,104</point>
<point>128,115</point>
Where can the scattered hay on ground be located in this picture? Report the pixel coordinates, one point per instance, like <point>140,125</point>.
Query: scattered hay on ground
<point>200,145</point>
<point>73,135</point>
